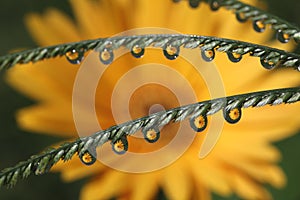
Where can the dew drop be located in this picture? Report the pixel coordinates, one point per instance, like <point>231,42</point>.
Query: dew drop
<point>137,51</point>
<point>194,3</point>
<point>282,37</point>
<point>234,57</point>
<point>199,123</point>
<point>241,17</point>
<point>266,63</point>
<point>74,56</point>
<point>232,116</point>
<point>171,52</point>
<point>214,5</point>
<point>259,26</point>
<point>88,158</point>
<point>151,135</point>
<point>120,146</point>
<point>106,56</point>
<point>208,54</point>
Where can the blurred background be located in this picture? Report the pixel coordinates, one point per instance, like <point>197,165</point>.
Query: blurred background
<point>17,145</point>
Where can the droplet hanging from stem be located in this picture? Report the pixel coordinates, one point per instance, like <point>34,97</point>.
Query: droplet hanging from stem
<point>137,51</point>
<point>120,146</point>
<point>198,123</point>
<point>106,56</point>
<point>88,157</point>
<point>233,115</point>
<point>171,52</point>
<point>151,135</point>
<point>74,56</point>
<point>208,54</point>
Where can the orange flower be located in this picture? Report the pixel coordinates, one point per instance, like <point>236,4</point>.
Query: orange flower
<point>243,159</point>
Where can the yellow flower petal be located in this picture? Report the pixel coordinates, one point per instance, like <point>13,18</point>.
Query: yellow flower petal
<point>111,184</point>
<point>52,28</point>
<point>145,186</point>
<point>176,182</point>
<point>47,119</point>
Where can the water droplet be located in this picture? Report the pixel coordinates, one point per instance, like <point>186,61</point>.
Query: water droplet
<point>88,158</point>
<point>74,56</point>
<point>194,3</point>
<point>259,26</point>
<point>282,37</point>
<point>266,63</point>
<point>234,57</point>
<point>120,146</point>
<point>199,123</point>
<point>151,135</point>
<point>208,54</point>
<point>232,116</point>
<point>171,52</point>
<point>214,5</point>
<point>106,56</point>
<point>137,51</point>
<point>241,17</point>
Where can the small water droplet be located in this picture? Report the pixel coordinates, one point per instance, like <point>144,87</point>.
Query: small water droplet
<point>214,5</point>
<point>232,116</point>
<point>74,56</point>
<point>194,3</point>
<point>199,123</point>
<point>266,63</point>
<point>208,54</point>
<point>106,56</point>
<point>259,26</point>
<point>241,17</point>
<point>234,57</point>
<point>88,158</point>
<point>137,51</point>
<point>151,135</point>
<point>171,52</point>
<point>282,37</point>
<point>120,146</point>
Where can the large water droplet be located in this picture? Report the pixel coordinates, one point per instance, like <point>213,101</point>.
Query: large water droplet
<point>266,63</point>
<point>234,57</point>
<point>241,17</point>
<point>151,135</point>
<point>259,26</point>
<point>232,115</point>
<point>137,51</point>
<point>214,5</point>
<point>282,37</point>
<point>198,123</point>
<point>194,3</point>
<point>120,146</point>
<point>74,56</point>
<point>88,158</point>
<point>106,56</point>
<point>171,52</point>
<point>208,54</point>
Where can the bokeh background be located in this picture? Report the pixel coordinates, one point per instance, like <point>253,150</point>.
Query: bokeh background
<point>17,145</point>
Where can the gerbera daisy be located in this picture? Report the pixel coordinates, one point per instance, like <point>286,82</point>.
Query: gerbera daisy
<point>243,159</point>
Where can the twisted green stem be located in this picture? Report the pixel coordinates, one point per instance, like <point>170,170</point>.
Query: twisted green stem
<point>42,163</point>
<point>270,57</point>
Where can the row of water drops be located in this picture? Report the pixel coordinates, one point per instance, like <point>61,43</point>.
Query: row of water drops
<point>258,25</point>
<point>171,52</point>
<point>151,135</point>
